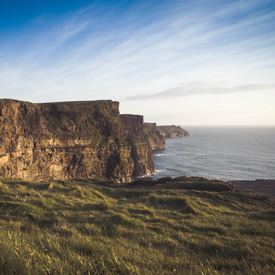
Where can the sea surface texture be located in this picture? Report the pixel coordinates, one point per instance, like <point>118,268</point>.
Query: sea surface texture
<point>226,153</point>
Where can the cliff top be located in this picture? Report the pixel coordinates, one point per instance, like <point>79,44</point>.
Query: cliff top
<point>80,102</point>
<point>61,102</point>
<point>131,116</point>
<point>10,100</point>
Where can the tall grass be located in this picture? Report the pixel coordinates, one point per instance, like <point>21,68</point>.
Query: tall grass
<point>82,228</point>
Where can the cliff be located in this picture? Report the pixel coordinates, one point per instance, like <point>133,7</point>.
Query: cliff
<point>71,140</point>
<point>156,140</point>
<point>141,150</point>
<point>169,131</point>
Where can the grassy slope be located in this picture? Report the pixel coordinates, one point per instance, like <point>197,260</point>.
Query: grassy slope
<point>61,228</point>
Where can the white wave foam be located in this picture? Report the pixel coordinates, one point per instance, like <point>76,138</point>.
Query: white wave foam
<point>148,175</point>
<point>159,171</point>
<point>160,155</point>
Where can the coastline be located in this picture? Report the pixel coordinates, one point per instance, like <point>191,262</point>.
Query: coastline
<point>225,153</point>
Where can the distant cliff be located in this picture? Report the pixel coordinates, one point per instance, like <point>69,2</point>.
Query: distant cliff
<point>157,141</point>
<point>72,140</point>
<point>169,131</point>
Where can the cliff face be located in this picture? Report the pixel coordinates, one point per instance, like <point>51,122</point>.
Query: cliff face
<point>68,140</point>
<point>169,131</point>
<point>141,151</point>
<point>156,140</point>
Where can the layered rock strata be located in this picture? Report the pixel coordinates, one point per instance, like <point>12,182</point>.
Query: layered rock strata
<point>141,151</point>
<point>69,140</point>
<point>156,140</point>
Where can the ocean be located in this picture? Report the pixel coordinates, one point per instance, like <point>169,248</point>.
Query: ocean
<point>226,153</point>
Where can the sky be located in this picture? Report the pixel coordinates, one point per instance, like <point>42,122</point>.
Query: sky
<point>185,62</point>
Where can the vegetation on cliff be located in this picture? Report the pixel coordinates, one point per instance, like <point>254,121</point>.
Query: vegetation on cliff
<point>78,227</point>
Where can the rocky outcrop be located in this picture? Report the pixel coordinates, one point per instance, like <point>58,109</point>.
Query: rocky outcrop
<point>170,131</point>
<point>141,151</point>
<point>156,140</point>
<point>71,140</point>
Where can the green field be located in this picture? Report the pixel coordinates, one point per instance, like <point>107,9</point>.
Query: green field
<point>77,227</point>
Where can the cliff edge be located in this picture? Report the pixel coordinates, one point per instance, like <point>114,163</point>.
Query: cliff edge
<point>141,149</point>
<point>170,131</point>
<point>68,140</point>
<point>156,139</point>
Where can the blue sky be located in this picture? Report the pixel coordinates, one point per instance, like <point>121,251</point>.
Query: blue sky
<point>181,62</point>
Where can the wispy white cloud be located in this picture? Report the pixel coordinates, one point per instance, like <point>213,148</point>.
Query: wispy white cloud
<point>95,54</point>
<point>202,88</point>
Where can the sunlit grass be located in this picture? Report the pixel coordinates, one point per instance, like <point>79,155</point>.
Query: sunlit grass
<point>83,228</point>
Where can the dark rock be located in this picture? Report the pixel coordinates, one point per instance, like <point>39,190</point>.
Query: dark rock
<point>165,180</point>
<point>181,178</point>
<point>144,181</point>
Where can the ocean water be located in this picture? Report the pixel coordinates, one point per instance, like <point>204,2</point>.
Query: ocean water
<point>226,153</point>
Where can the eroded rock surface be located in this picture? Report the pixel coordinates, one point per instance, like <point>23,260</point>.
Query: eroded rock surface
<point>157,141</point>
<point>141,151</point>
<point>71,140</point>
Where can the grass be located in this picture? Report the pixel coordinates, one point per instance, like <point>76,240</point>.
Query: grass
<point>77,227</point>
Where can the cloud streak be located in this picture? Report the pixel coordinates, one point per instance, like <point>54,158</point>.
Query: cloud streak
<point>181,48</point>
<point>191,89</point>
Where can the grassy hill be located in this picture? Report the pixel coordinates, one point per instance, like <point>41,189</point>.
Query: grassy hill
<point>77,227</point>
